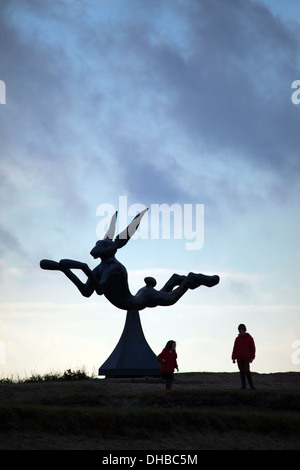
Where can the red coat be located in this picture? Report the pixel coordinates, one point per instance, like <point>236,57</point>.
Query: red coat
<point>244,348</point>
<point>170,358</point>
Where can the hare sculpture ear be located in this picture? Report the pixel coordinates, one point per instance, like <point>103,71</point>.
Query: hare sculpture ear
<point>112,227</point>
<point>124,236</point>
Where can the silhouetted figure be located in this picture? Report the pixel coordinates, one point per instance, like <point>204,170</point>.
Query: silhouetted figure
<point>168,360</point>
<point>244,353</point>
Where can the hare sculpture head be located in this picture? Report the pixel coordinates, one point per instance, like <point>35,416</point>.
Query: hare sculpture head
<point>108,247</point>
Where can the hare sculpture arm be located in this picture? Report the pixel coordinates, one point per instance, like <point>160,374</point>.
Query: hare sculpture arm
<point>66,265</point>
<point>110,276</point>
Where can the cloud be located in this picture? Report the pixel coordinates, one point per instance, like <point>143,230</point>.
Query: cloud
<point>195,84</point>
<point>13,255</point>
<point>226,92</point>
<point>233,92</point>
<point>191,103</point>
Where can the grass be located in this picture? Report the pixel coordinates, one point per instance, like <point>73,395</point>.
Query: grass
<point>69,413</point>
<point>142,422</point>
<point>67,375</point>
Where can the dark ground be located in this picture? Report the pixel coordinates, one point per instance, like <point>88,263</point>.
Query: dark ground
<point>204,411</point>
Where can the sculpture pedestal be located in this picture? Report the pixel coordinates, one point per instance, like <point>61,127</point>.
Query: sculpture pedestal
<point>132,357</point>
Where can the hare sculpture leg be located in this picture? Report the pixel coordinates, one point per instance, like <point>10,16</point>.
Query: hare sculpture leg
<point>169,294</point>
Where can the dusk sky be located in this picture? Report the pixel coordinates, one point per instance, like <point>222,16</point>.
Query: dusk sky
<point>125,104</point>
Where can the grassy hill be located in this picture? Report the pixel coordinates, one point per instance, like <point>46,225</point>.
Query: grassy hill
<point>203,411</point>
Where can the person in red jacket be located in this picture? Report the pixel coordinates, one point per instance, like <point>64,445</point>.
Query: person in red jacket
<point>244,353</point>
<point>168,360</point>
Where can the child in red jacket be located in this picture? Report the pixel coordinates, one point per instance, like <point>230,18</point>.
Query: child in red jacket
<point>168,360</point>
<point>244,353</point>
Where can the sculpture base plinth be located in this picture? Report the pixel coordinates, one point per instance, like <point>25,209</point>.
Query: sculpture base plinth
<point>132,357</point>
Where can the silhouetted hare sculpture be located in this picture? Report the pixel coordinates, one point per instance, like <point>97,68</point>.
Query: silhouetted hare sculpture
<point>110,276</point>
